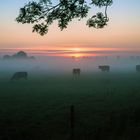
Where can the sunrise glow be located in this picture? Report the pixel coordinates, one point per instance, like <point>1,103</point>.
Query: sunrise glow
<point>121,34</point>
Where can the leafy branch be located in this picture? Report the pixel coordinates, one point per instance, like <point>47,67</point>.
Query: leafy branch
<point>43,13</point>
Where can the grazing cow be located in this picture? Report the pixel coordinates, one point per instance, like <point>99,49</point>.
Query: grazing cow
<point>104,68</point>
<point>19,75</point>
<point>76,72</point>
<point>137,68</point>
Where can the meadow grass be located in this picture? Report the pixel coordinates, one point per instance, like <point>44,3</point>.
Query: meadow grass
<point>107,106</point>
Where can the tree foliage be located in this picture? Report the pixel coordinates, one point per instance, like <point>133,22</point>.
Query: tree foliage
<point>44,12</point>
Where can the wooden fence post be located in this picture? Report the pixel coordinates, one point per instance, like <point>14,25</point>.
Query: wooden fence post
<point>72,121</point>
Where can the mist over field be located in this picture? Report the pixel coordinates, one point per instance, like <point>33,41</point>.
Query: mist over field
<point>65,65</point>
<point>59,65</point>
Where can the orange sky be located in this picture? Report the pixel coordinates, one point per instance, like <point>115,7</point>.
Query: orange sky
<point>122,32</point>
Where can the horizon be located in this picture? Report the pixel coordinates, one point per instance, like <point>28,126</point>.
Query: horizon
<point>74,52</point>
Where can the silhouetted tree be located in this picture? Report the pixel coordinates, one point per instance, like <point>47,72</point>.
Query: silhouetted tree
<point>20,55</point>
<point>44,12</point>
<point>6,57</point>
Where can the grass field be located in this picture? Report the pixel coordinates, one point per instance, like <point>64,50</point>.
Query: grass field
<point>107,106</point>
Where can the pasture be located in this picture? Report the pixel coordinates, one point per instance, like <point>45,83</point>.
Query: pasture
<point>107,106</point>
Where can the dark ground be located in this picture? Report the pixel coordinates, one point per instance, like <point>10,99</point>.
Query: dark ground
<point>107,106</point>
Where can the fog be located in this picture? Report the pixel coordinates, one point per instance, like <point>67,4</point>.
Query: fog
<point>61,65</point>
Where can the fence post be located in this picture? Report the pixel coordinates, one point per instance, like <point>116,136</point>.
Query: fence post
<point>72,121</point>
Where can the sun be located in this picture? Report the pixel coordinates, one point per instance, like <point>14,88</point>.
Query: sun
<point>77,55</point>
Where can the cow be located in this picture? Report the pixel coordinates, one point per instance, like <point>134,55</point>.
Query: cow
<point>76,72</point>
<point>19,75</point>
<point>104,68</point>
<point>137,68</point>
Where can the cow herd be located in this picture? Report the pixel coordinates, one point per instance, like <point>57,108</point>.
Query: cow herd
<point>76,72</point>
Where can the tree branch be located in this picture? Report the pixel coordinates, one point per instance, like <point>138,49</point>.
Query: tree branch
<point>43,13</point>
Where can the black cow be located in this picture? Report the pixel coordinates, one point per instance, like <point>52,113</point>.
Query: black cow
<point>76,72</point>
<point>137,68</point>
<point>19,75</point>
<point>104,68</point>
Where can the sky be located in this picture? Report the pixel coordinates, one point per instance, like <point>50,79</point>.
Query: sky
<point>122,32</point>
